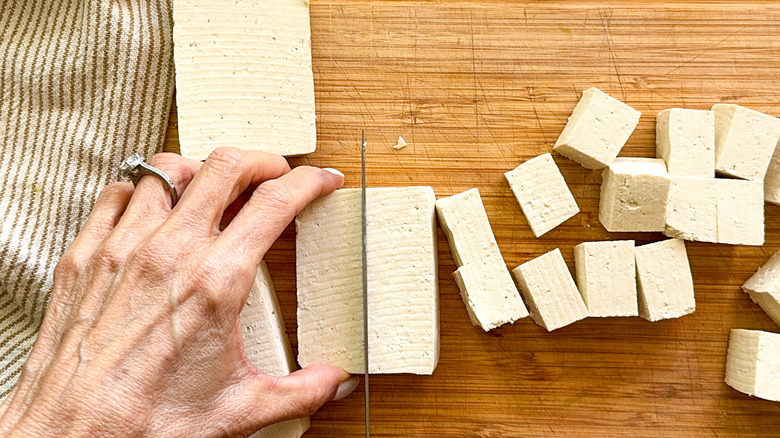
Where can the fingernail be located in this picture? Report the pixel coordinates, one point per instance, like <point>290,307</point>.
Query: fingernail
<point>333,171</point>
<point>346,387</point>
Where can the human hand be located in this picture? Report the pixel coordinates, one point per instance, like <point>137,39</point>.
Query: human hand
<point>141,337</point>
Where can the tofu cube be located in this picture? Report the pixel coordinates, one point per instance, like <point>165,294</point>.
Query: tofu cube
<point>549,291</point>
<point>744,141</point>
<point>465,222</point>
<point>740,212</point>
<point>664,280</point>
<point>764,287</point>
<point>753,363</point>
<point>633,195</point>
<point>489,293</point>
<point>685,140</point>
<point>403,305</point>
<point>772,179</point>
<point>606,277</point>
<point>542,193</point>
<point>597,129</point>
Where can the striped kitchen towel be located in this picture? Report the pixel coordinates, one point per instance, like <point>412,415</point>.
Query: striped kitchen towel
<point>83,83</point>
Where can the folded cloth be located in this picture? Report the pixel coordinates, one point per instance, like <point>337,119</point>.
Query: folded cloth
<point>83,83</point>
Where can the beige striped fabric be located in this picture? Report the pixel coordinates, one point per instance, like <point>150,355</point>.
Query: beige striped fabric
<point>83,83</point>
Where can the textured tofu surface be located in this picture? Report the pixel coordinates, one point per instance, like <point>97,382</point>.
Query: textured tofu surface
<point>267,347</point>
<point>664,280</point>
<point>542,193</point>
<point>764,287</point>
<point>685,140</point>
<point>744,141</point>
<point>772,179</point>
<point>740,212</point>
<point>633,195</point>
<point>465,222</point>
<point>402,281</point>
<point>549,291</point>
<point>753,363</point>
<point>597,129</point>
<point>243,76</point>
<point>606,277</point>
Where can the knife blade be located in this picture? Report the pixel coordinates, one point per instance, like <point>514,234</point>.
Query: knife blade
<point>363,233</point>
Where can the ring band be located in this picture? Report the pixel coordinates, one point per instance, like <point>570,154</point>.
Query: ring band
<point>135,166</point>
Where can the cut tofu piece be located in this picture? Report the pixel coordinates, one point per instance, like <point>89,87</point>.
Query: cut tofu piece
<point>753,363</point>
<point>542,193</point>
<point>685,139</point>
<point>744,141</point>
<point>740,212</point>
<point>489,293</point>
<point>764,287</point>
<point>267,347</point>
<point>243,76</point>
<point>549,291</point>
<point>597,129</point>
<point>465,222</point>
<point>606,277</point>
<point>403,300</point>
<point>664,280</point>
<point>633,195</point>
<point>772,179</point>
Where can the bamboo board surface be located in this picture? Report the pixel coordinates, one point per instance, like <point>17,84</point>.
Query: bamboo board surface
<point>476,89</point>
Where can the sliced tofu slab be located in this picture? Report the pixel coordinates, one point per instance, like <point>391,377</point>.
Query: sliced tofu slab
<point>243,76</point>
<point>745,140</point>
<point>267,347</point>
<point>465,222</point>
<point>633,195</point>
<point>764,287</point>
<point>606,277</point>
<point>402,281</point>
<point>549,291</point>
<point>685,139</point>
<point>664,280</point>
<point>753,363</point>
<point>772,179</point>
<point>542,193</point>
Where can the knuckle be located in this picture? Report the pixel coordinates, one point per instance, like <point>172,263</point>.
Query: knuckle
<point>276,195</point>
<point>114,191</point>
<point>110,257</point>
<point>166,161</point>
<point>71,263</point>
<point>226,160</point>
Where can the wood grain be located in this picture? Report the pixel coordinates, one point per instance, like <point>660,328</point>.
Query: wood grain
<point>475,89</point>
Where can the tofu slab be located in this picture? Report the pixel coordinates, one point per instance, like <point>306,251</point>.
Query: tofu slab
<point>764,287</point>
<point>243,76</point>
<point>403,297</point>
<point>664,280</point>
<point>267,347</point>
<point>685,140</point>
<point>740,212</point>
<point>745,140</point>
<point>633,195</point>
<point>772,179</point>
<point>549,291</point>
<point>597,129</point>
<point>465,222</point>
<point>753,363</point>
<point>606,277</point>
<point>542,193</point>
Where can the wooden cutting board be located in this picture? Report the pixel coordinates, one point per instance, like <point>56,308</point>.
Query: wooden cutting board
<point>476,89</point>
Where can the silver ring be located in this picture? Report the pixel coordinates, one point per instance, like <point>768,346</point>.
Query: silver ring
<point>135,166</point>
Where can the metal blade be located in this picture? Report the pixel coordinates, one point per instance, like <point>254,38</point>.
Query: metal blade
<point>365,272</point>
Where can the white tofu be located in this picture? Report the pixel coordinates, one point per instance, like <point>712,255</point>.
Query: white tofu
<point>489,293</point>
<point>772,179</point>
<point>753,363</point>
<point>633,195</point>
<point>403,304</point>
<point>685,139</point>
<point>740,212</point>
<point>243,76</point>
<point>764,287</point>
<point>465,222</point>
<point>267,347</point>
<point>597,129</point>
<point>664,280</point>
<point>606,277</point>
<point>542,193</point>
<point>744,141</point>
<point>549,291</point>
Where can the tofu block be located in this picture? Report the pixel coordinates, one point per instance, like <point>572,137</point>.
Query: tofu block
<point>633,195</point>
<point>542,193</point>
<point>764,287</point>
<point>489,293</point>
<point>606,277</point>
<point>550,292</point>
<point>267,347</point>
<point>597,129</point>
<point>685,140</point>
<point>664,280</point>
<point>744,141</point>
<point>740,212</point>
<point>243,76</point>
<point>465,222</point>
<point>753,363</point>
<point>772,179</point>
<point>403,300</point>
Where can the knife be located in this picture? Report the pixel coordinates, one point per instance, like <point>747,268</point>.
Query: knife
<point>365,272</point>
